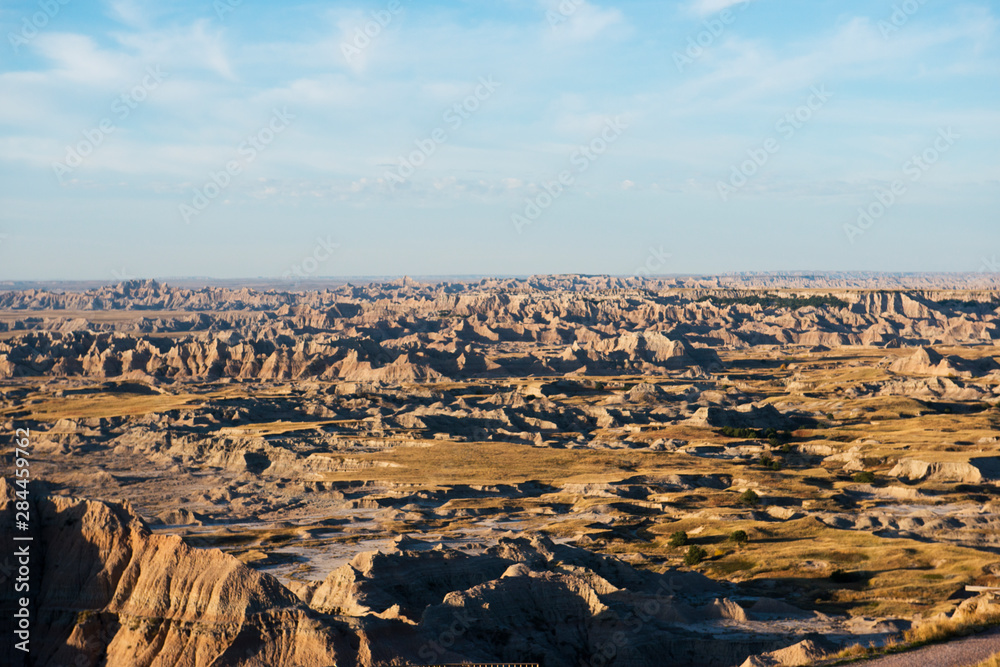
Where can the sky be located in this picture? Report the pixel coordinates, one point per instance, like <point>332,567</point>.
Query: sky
<point>243,138</point>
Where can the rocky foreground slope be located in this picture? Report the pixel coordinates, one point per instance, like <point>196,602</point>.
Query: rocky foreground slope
<point>109,592</point>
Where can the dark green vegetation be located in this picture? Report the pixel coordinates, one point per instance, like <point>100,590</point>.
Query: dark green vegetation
<point>775,301</point>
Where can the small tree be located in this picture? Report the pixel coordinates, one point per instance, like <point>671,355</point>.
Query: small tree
<point>864,477</point>
<point>749,498</point>
<point>678,539</point>
<point>739,537</point>
<point>694,555</point>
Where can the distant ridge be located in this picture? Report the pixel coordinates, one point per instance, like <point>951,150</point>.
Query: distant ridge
<point>802,279</point>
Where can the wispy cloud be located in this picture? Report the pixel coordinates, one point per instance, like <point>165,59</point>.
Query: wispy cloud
<point>78,59</point>
<point>198,46</point>
<point>706,7</point>
<point>580,21</point>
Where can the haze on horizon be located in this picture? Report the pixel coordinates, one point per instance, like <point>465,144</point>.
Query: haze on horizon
<point>240,138</point>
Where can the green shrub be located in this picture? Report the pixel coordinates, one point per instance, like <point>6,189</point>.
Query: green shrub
<point>739,537</point>
<point>767,300</point>
<point>749,498</point>
<point>864,477</point>
<point>678,539</point>
<point>694,555</point>
<point>734,432</point>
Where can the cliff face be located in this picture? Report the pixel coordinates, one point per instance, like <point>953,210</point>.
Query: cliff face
<point>106,591</point>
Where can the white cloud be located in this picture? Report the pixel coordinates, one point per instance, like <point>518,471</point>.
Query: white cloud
<point>742,73</point>
<point>78,59</point>
<point>195,47</point>
<point>706,7</point>
<point>580,21</point>
<point>128,12</point>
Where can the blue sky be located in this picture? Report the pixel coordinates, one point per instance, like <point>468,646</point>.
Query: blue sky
<point>245,139</point>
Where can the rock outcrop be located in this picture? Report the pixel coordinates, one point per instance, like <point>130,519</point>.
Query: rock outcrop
<point>106,589</point>
<point>974,471</point>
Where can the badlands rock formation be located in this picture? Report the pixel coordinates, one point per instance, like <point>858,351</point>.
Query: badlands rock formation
<point>566,470</point>
<point>411,332</point>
